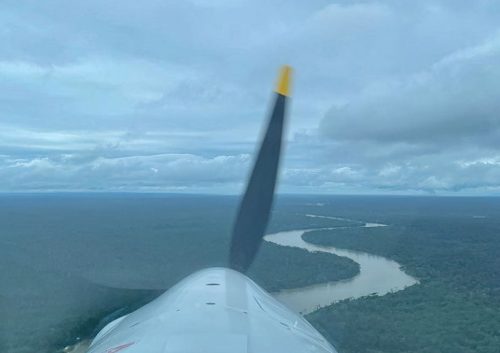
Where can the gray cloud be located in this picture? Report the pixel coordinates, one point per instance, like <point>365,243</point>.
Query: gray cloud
<point>457,98</point>
<point>437,130</point>
<point>390,96</point>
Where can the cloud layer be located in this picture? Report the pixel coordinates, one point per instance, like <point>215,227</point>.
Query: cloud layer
<point>390,96</point>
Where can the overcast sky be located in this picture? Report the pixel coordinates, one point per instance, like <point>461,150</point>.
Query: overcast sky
<point>389,97</point>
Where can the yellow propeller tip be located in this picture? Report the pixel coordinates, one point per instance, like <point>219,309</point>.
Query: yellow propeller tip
<point>284,81</point>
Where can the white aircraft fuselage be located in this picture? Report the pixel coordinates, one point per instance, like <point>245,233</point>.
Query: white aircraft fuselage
<point>214,310</point>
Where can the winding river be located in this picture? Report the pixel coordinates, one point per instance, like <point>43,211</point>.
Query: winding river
<point>378,275</point>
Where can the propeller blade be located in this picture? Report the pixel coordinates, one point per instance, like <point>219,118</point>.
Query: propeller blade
<point>255,207</point>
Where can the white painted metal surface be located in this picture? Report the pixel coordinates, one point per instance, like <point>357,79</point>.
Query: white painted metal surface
<point>215,310</point>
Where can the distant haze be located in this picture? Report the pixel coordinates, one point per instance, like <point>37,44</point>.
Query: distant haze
<point>389,96</point>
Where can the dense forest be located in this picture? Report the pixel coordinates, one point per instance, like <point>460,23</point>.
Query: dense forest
<point>71,263</point>
<point>279,268</point>
<point>456,307</point>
